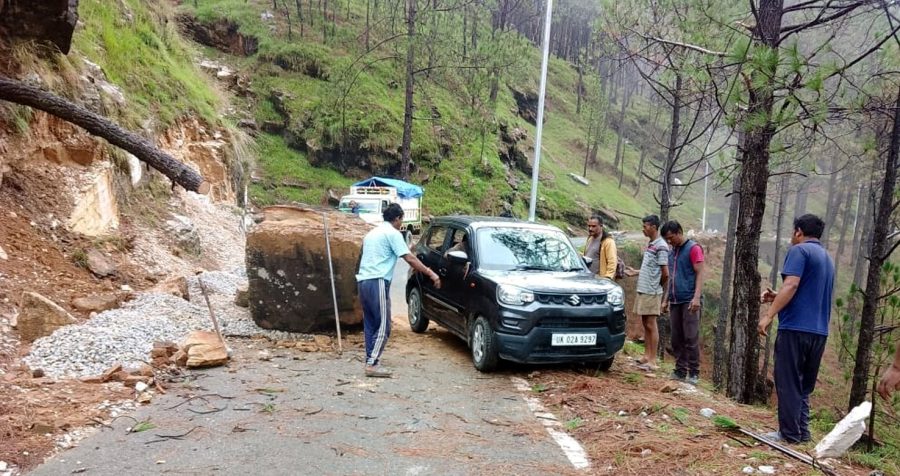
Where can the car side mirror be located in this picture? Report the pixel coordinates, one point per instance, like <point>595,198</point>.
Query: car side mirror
<point>458,257</point>
<point>587,261</point>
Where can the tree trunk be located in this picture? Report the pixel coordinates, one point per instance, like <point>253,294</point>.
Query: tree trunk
<point>878,253</point>
<point>744,358</point>
<point>300,16</point>
<point>665,179</point>
<point>865,238</point>
<point>367,24</point>
<point>20,93</point>
<point>802,193</point>
<point>776,266</point>
<point>831,201</point>
<point>720,356</point>
<point>579,88</point>
<point>410,88</point>
<point>324,22</point>
<point>845,221</point>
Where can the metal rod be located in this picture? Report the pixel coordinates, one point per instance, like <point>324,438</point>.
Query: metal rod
<point>540,113</point>
<point>337,319</point>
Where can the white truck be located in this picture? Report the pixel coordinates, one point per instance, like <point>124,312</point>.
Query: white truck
<point>373,195</point>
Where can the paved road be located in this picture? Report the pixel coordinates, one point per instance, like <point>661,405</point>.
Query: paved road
<point>314,413</point>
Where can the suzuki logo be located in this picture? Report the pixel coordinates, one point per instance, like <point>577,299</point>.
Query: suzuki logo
<point>574,300</point>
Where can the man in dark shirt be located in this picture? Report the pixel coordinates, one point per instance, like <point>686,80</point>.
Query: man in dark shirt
<point>803,305</point>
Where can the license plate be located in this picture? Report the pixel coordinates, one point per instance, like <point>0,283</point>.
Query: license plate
<point>574,339</point>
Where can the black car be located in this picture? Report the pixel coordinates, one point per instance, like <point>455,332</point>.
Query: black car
<point>517,291</point>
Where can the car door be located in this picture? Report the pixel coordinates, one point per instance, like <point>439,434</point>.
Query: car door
<point>455,278</point>
<point>430,253</point>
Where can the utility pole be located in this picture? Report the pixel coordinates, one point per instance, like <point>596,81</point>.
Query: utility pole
<point>540,113</point>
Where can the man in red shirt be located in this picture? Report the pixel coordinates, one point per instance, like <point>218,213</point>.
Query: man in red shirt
<point>682,298</point>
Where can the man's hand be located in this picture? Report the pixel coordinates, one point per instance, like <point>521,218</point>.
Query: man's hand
<point>890,382</point>
<point>763,327</point>
<point>436,280</point>
<point>694,306</point>
<point>665,306</point>
<point>767,296</point>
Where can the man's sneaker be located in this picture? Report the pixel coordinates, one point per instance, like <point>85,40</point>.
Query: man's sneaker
<point>692,379</point>
<point>377,372</point>
<point>677,376</point>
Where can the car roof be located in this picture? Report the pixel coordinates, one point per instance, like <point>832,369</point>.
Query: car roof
<point>476,222</point>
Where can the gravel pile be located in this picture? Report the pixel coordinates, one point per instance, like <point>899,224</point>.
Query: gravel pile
<point>126,335</point>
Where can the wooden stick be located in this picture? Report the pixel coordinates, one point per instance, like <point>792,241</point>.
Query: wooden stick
<point>337,319</point>
<point>792,453</point>
<point>212,315</point>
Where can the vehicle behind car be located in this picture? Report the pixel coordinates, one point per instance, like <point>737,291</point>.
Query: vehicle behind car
<point>515,291</point>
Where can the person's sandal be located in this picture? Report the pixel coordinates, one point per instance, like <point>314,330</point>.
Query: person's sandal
<point>378,372</point>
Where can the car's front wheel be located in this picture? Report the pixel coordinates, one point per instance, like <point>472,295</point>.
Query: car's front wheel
<point>484,345</point>
<point>605,365</point>
<point>417,320</point>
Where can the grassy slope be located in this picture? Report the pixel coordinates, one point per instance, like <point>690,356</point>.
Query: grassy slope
<point>375,110</point>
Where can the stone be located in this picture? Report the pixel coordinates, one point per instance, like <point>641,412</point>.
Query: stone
<point>141,387</point>
<point>52,22</point>
<point>204,349</point>
<point>3,255</point>
<point>91,379</point>
<point>158,352</point>
<point>242,296</point>
<point>766,469</point>
<point>184,233</point>
<point>96,303</point>
<point>99,264</point>
<point>180,358</point>
<point>39,317</point>
<point>668,388</point>
<point>177,286</point>
<point>143,370</point>
<point>111,372</point>
<point>37,373</point>
<point>288,275</point>
<point>707,412</point>
<point>133,380</point>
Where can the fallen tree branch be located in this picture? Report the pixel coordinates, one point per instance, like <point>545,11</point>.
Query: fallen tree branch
<point>793,454</point>
<point>21,93</point>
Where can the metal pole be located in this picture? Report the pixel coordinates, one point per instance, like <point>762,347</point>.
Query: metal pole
<point>337,320</point>
<point>540,112</point>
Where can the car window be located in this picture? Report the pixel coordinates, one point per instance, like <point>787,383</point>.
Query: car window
<point>506,248</point>
<point>458,236</point>
<point>436,238</point>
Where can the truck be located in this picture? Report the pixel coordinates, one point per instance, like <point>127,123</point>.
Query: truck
<point>374,194</point>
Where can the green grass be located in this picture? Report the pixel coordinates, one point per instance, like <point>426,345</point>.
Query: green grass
<point>149,60</point>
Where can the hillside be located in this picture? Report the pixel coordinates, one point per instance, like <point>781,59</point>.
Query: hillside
<point>328,112</point>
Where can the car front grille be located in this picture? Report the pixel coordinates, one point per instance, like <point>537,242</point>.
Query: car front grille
<point>568,322</point>
<point>568,299</point>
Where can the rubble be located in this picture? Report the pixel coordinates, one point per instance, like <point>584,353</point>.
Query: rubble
<point>39,316</point>
<point>204,349</point>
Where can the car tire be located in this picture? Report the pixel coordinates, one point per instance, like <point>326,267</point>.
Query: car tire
<point>483,344</point>
<point>417,320</point>
<point>605,365</point>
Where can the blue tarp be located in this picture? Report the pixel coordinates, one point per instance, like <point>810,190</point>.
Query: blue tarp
<point>404,189</point>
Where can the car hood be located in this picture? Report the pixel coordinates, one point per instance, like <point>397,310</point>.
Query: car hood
<point>551,282</point>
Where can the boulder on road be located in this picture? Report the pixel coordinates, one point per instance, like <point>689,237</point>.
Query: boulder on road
<point>97,302</point>
<point>177,286</point>
<point>99,264</point>
<point>204,349</point>
<point>39,317</point>
<point>287,268</point>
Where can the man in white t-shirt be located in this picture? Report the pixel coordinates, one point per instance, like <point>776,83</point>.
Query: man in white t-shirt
<point>652,280</point>
<point>381,248</point>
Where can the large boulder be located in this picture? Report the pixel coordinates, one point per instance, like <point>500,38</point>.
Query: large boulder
<point>287,267</point>
<point>39,317</point>
<point>50,20</point>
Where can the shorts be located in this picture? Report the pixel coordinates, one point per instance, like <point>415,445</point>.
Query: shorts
<point>648,304</point>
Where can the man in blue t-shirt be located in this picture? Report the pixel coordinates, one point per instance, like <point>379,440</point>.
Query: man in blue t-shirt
<point>803,305</point>
<point>381,248</point>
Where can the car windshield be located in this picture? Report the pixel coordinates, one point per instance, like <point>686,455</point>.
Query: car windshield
<point>365,206</point>
<point>510,248</point>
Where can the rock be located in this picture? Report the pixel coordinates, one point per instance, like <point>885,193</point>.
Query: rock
<point>143,370</point>
<point>111,372</point>
<point>766,469</point>
<point>96,303</point>
<point>748,470</point>
<point>3,255</point>
<point>646,452</point>
<point>185,234</point>
<point>99,264</point>
<point>242,297</point>
<point>668,388</point>
<point>289,287</point>
<point>39,317</point>
<point>37,373</point>
<point>141,387</point>
<point>180,358</point>
<point>177,286</point>
<point>51,22</point>
<point>204,349</point>
<point>707,412</point>
<point>133,380</point>
<point>91,379</point>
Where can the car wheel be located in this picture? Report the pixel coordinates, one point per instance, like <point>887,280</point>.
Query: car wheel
<point>484,346</point>
<point>417,320</point>
<point>605,365</point>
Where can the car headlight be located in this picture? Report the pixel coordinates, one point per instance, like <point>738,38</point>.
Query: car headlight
<point>616,297</point>
<point>513,295</point>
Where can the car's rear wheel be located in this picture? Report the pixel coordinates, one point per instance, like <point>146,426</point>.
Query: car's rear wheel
<point>417,320</point>
<point>605,365</point>
<point>484,345</point>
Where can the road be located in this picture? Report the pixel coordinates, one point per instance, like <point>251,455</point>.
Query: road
<point>315,413</point>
